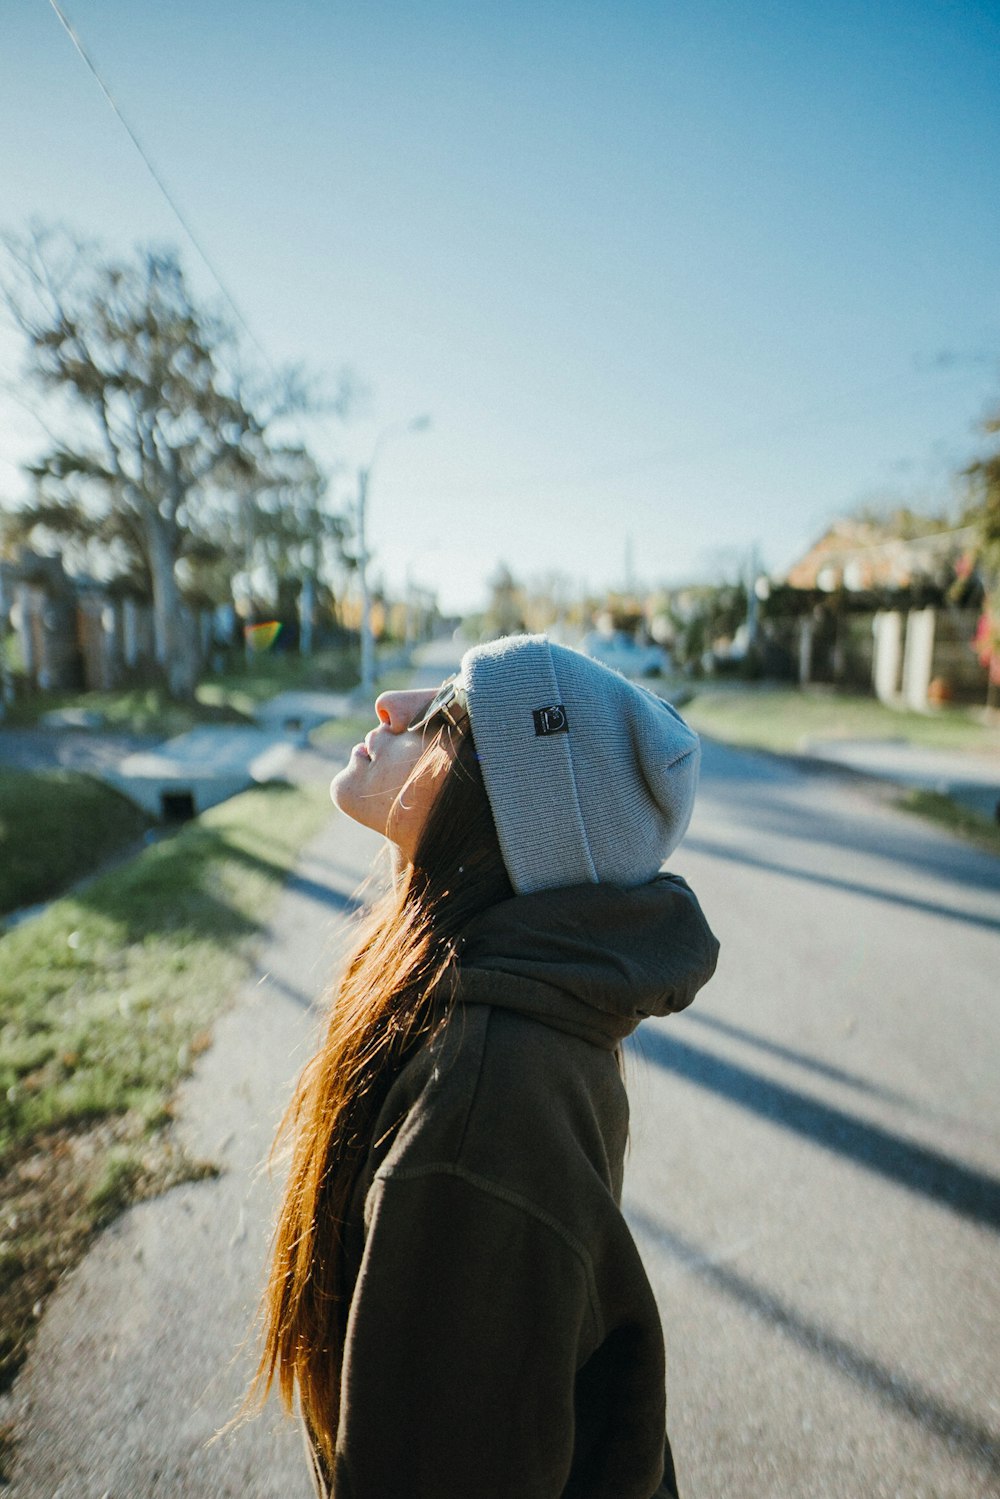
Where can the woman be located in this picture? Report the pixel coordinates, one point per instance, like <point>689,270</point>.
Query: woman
<point>454,1295</point>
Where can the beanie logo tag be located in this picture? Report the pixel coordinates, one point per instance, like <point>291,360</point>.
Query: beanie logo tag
<point>550,720</point>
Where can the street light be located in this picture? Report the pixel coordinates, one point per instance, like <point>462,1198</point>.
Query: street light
<point>398,429</point>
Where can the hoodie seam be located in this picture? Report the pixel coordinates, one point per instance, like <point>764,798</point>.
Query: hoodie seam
<point>513,1199</point>
<point>475,1086</point>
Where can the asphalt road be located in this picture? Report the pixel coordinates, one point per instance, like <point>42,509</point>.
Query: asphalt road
<point>814,1181</point>
<point>815,1170</point>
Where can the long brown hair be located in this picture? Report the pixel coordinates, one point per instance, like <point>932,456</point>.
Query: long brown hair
<point>396,990</point>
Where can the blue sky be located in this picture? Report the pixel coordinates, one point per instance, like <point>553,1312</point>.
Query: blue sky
<point>702,275</point>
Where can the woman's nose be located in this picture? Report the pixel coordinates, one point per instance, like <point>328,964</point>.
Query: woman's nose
<point>396,710</point>
<point>383,708</point>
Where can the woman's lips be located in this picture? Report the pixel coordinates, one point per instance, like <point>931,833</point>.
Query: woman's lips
<point>362,751</point>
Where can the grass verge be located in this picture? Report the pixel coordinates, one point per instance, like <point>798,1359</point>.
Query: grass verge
<point>262,677</point>
<point>950,814</point>
<point>105,1000</point>
<point>129,710</point>
<point>783,718</point>
<point>229,697</point>
<point>54,826</point>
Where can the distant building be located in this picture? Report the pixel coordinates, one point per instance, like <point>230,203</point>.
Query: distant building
<point>864,556</point>
<point>73,632</point>
<point>889,619</point>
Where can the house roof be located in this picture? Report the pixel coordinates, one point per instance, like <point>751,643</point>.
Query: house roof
<point>861,555</point>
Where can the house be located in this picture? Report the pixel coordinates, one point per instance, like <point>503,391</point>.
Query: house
<point>868,556</point>
<point>881,610</point>
<point>73,633</point>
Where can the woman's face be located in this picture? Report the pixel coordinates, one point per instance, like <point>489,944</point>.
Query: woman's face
<point>378,787</point>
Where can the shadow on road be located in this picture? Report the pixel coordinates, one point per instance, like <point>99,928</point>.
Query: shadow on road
<point>718,850</point>
<point>762,794</point>
<point>306,1001</point>
<point>323,895</point>
<point>799,1059</point>
<point>970,1193</point>
<point>976,1441</point>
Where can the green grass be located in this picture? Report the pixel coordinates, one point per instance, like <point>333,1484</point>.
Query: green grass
<point>115,1185</point>
<point>262,677</point>
<point>949,814</point>
<point>783,718</point>
<point>131,710</point>
<point>228,697</point>
<point>105,1000</point>
<point>54,826</point>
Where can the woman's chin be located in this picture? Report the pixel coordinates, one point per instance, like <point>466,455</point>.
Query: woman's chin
<point>340,793</point>
<point>340,786</point>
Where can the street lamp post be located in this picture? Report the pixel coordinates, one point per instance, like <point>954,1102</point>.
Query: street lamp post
<point>367,639</point>
<point>418,424</point>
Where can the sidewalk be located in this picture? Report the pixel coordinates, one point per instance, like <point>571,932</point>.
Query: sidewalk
<point>972,780</point>
<point>143,1353</point>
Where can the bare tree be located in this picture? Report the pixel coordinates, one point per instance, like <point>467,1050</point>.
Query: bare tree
<point>173,444</point>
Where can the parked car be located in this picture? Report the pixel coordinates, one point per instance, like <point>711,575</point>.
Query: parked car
<point>624,654</point>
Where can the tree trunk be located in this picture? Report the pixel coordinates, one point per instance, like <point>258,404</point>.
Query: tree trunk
<point>176,647</point>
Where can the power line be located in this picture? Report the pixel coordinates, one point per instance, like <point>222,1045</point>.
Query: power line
<point>157,178</point>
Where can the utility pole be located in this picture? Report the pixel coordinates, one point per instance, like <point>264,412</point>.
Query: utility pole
<point>307,594</point>
<point>367,638</point>
<point>752,597</point>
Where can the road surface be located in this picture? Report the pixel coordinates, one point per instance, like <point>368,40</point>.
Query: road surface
<point>814,1181</point>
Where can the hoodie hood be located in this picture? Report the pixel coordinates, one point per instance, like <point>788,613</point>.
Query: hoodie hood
<point>590,960</point>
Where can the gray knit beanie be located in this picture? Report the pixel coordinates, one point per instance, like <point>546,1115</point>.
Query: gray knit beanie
<point>590,778</point>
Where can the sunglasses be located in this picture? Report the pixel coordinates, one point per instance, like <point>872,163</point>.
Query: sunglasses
<point>449,703</point>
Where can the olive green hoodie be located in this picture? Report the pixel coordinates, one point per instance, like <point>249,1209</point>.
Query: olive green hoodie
<point>503,1341</point>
